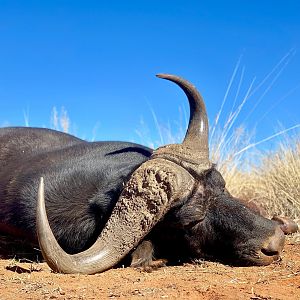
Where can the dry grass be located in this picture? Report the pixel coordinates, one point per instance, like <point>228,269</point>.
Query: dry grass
<point>280,179</point>
<point>60,121</point>
<point>273,180</point>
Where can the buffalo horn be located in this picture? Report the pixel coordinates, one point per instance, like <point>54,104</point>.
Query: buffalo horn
<point>196,137</point>
<point>144,200</point>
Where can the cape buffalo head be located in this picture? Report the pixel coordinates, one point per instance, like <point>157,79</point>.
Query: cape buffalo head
<point>178,178</point>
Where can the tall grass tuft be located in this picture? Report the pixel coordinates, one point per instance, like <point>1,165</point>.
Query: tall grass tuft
<point>60,121</point>
<point>276,181</point>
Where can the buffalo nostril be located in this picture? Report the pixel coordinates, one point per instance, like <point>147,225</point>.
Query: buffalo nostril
<point>270,250</point>
<point>274,244</point>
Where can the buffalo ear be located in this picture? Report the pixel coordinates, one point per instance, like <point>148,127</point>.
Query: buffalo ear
<point>189,216</point>
<point>193,211</point>
<point>287,225</point>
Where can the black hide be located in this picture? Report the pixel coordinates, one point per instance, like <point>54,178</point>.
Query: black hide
<point>83,181</point>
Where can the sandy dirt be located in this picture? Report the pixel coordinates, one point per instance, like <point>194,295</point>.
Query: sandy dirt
<point>202,280</point>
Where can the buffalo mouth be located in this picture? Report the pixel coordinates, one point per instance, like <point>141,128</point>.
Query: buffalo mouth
<point>256,258</point>
<point>251,258</point>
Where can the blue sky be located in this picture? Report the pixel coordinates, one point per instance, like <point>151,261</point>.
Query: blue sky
<point>98,60</point>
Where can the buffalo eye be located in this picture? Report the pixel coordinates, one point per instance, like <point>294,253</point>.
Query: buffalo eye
<point>189,216</point>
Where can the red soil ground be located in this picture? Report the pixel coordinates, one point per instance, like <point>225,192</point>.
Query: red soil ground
<point>206,280</point>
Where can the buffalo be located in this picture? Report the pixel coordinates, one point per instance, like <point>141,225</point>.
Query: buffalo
<point>91,205</point>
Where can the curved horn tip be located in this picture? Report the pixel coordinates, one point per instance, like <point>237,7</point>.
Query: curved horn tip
<point>41,188</point>
<point>163,75</point>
